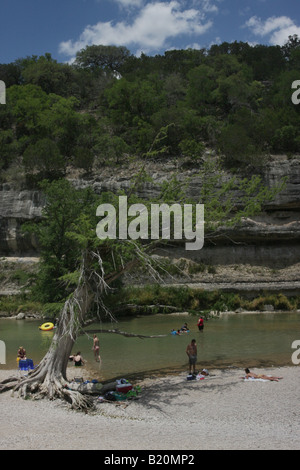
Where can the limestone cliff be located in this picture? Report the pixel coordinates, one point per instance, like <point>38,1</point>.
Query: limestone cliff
<point>17,207</point>
<point>269,241</point>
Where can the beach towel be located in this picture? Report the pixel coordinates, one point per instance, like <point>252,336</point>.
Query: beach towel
<point>253,379</point>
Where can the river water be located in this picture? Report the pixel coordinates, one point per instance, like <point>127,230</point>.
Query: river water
<point>233,340</point>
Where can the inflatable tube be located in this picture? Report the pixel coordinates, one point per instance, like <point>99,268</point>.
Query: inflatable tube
<point>46,326</point>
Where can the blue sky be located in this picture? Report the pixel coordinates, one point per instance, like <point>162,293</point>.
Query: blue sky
<point>62,27</point>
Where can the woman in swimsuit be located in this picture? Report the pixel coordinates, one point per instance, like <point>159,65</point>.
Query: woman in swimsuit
<point>261,376</point>
<point>96,348</point>
<point>78,360</point>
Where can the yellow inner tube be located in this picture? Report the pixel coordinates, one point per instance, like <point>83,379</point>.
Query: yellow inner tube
<point>47,326</point>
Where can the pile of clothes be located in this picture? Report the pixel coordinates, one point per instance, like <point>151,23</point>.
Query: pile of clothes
<point>124,390</point>
<point>200,376</point>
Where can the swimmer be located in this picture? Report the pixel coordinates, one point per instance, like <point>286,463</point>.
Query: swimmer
<point>78,359</point>
<point>184,327</point>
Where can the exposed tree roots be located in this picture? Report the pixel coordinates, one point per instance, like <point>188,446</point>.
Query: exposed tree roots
<point>49,378</point>
<point>39,385</point>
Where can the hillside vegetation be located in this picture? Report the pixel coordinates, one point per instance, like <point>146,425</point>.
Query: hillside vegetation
<point>110,105</point>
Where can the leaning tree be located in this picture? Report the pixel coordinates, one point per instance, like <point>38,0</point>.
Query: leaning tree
<point>74,257</point>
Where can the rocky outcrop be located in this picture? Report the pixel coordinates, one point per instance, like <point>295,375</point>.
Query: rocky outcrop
<point>281,167</point>
<point>278,168</point>
<point>17,207</point>
<point>270,239</point>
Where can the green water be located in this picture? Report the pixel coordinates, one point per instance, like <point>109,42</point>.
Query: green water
<point>231,340</point>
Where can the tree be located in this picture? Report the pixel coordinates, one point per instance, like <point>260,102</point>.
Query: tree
<point>108,58</point>
<point>44,158</point>
<point>26,104</point>
<point>51,76</point>
<point>265,61</point>
<point>292,44</point>
<point>7,148</point>
<point>58,252</point>
<point>10,74</point>
<point>236,144</point>
<point>69,242</point>
<point>63,123</point>
<point>286,138</point>
<point>202,83</point>
<point>109,149</point>
<point>131,105</point>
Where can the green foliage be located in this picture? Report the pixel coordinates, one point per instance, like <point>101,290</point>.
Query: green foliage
<point>12,305</point>
<point>192,300</point>
<point>195,300</point>
<point>22,277</point>
<point>65,206</point>
<point>234,98</point>
<point>52,310</point>
<point>44,157</point>
<point>102,57</point>
<point>52,77</point>
<point>191,148</point>
<point>287,139</point>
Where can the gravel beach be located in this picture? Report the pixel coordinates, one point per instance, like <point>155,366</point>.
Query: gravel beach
<point>223,411</point>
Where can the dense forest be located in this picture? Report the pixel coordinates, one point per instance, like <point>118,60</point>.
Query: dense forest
<point>109,105</point>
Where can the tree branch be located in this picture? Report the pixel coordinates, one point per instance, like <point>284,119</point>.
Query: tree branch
<point>123,333</point>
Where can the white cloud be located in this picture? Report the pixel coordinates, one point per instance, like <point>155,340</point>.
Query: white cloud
<point>130,3</point>
<point>208,6</point>
<point>152,27</point>
<point>277,28</point>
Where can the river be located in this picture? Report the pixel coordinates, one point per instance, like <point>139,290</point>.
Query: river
<point>232,340</point>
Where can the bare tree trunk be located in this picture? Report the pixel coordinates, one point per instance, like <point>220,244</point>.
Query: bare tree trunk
<point>49,378</point>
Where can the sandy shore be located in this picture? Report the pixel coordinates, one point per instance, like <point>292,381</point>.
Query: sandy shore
<point>220,412</point>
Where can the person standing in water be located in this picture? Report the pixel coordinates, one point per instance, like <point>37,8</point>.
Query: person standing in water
<point>200,324</point>
<point>96,348</point>
<point>191,351</point>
